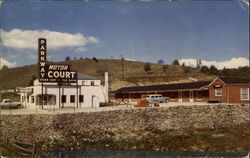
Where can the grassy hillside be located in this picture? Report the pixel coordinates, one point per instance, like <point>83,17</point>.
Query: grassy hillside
<point>134,73</point>
<point>17,77</point>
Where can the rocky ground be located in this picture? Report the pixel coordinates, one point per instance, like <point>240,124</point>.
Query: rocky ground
<point>183,128</point>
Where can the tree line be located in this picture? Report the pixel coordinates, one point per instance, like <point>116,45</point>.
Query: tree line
<point>212,70</point>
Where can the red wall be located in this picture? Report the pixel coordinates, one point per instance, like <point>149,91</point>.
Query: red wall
<point>234,94</point>
<point>211,88</point>
<point>174,100</point>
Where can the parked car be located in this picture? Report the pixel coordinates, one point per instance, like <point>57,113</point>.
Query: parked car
<point>156,98</point>
<point>8,103</point>
<point>110,103</point>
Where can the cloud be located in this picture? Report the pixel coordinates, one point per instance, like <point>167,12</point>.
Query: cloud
<point>81,49</point>
<point>232,63</point>
<point>27,39</point>
<point>246,2</point>
<point>8,63</point>
<point>244,5</point>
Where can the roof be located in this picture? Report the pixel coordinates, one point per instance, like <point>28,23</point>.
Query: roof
<point>182,86</point>
<point>235,80</point>
<point>165,87</point>
<point>85,77</point>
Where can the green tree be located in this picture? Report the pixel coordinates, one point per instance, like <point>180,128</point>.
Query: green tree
<point>164,67</point>
<point>186,69</point>
<point>67,58</point>
<point>225,72</point>
<point>204,69</point>
<point>213,70</point>
<point>175,62</point>
<point>5,67</point>
<point>161,62</point>
<point>198,64</point>
<point>147,67</point>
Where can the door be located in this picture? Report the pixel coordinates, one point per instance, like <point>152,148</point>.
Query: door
<point>191,98</point>
<point>94,101</point>
<point>180,96</point>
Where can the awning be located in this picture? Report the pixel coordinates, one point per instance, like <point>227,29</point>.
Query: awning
<point>45,95</point>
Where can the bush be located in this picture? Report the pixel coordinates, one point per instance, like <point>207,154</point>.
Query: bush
<point>164,67</point>
<point>186,70</point>
<point>5,67</point>
<point>213,70</point>
<point>204,69</point>
<point>147,67</point>
<point>161,62</point>
<point>67,58</point>
<point>175,62</point>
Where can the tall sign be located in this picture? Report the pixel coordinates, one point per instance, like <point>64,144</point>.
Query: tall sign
<point>42,54</point>
<point>53,72</point>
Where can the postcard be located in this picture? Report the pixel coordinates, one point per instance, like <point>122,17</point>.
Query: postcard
<point>125,78</point>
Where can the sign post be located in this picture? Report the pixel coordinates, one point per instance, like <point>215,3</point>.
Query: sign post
<point>42,55</point>
<point>59,85</point>
<point>57,73</point>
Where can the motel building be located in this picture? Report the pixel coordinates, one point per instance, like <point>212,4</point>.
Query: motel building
<point>220,90</point>
<point>86,92</point>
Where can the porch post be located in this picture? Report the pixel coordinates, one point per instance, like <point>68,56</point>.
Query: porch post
<point>77,97</point>
<point>59,95</point>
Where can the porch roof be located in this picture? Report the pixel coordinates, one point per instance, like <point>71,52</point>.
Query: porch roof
<point>165,87</point>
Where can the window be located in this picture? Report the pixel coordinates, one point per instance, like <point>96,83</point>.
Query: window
<point>52,100</point>
<point>63,99</point>
<point>32,99</point>
<point>81,98</point>
<point>92,83</point>
<point>244,93</point>
<point>84,83</point>
<point>72,98</point>
<point>24,99</point>
<point>218,92</point>
<point>28,99</point>
<point>173,95</point>
<point>185,94</point>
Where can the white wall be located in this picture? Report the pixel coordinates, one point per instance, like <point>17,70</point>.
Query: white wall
<point>88,91</point>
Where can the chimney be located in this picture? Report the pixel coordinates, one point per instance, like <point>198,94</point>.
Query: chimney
<point>106,87</point>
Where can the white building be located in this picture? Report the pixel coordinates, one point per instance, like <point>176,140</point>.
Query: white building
<point>87,92</point>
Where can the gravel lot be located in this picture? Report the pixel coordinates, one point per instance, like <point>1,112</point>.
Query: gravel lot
<point>175,128</point>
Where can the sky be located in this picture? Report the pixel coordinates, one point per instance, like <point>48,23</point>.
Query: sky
<point>215,32</point>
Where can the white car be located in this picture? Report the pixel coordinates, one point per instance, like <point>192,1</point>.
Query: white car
<point>8,103</point>
<point>156,98</point>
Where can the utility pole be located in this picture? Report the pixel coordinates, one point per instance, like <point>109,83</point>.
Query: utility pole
<point>1,48</point>
<point>0,76</point>
<point>122,66</point>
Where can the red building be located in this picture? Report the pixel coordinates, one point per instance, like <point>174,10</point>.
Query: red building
<point>221,89</point>
<point>230,90</point>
